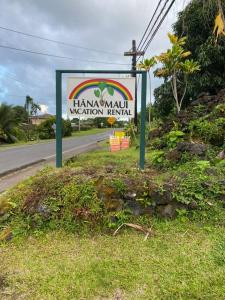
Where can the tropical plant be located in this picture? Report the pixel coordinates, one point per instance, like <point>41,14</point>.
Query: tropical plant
<point>7,122</point>
<point>219,27</point>
<point>147,65</point>
<point>173,137</point>
<point>176,67</point>
<point>46,131</point>
<point>197,21</point>
<point>31,107</point>
<point>21,114</point>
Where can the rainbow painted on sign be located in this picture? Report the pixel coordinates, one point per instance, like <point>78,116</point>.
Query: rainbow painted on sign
<point>93,83</point>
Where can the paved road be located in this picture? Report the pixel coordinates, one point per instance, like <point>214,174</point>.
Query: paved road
<point>17,157</point>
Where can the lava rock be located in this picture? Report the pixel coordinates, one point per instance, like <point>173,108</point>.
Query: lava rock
<point>167,211</point>
<point>174,155</point>
<point>113,204</point>
<point>193,149</point>
<point>135,208</point>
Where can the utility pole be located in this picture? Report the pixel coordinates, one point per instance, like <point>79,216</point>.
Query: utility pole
<point>134,53</point>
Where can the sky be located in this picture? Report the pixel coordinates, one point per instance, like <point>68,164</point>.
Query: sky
<point>98,24</point>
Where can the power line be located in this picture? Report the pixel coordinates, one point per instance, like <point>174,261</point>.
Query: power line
<point>21,82</point>
<point>152,28</point>
<point>35,96</point>
<point>58,42</point>
<point>62,57</point>
<point>149,24</point>
<point>160,23</point>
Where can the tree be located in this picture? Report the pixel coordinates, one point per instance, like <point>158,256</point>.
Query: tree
<point>176,67</point>
<point>46,131</point>
<point>21,114</point>
<point>147,65</point>
<point>197,22</point>
<point>7,122</point>
<point>31,107</point>
<point>164,101</point>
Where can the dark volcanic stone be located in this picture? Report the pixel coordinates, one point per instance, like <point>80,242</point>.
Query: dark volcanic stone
<point>155,133</point>
<point>167,211</point>
<point>174,155</point>
<point>135,208</point>
<point>194,149</point>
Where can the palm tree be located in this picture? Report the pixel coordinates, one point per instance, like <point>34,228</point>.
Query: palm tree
<point>34,108</point>
<point>31,107</point>
<point>7,121</point>
<point>146,65</point>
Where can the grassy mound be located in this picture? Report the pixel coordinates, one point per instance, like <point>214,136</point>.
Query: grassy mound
<point>99,191</point>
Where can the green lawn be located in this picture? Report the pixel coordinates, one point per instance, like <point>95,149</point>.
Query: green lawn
<point>74,134</point>
<point>183,260</point>
<point>91,131</point>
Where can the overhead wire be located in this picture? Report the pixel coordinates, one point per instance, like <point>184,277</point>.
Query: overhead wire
<point>149,24</point>
<point>158,26</point>
<point>152,28</point>
<point>61,57</point>
<point>58,42</point>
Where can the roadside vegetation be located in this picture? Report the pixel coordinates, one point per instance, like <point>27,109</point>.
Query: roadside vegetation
<point>100,228</point>
<point>16,125</point>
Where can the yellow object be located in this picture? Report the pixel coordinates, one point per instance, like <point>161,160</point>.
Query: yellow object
<point>119,134</point>
<point>111,120</point>
<point>219,27</point>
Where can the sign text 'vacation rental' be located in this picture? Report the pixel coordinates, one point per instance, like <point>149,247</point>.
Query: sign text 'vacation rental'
<point>100,97</point>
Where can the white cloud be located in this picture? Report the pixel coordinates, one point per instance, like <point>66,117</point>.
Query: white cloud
<point>44,108</point>
<point>97,24</point>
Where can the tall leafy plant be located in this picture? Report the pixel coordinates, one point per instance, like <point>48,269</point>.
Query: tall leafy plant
<point>176,67</point>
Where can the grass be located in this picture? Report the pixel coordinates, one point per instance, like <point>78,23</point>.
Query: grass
<point>74,134</point>
<point>99,158</point>
<point>184,260</point>
<point>91,131</point>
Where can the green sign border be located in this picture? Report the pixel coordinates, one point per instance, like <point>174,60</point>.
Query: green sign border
<point>59,108</point>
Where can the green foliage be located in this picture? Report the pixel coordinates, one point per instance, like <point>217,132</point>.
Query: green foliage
<point>131,131</point>
<point>198,182</point>
<point>175,67</point>
<point>157,157</point>
<point>164,102</point>
<point>209,131</point>
<point>218,252</point>
<point>7,123</point>
<point>19,134</point>
<point>119,185</point>
<point>46,131</point>
<point>173,137</point>
<point>31,107</point>
<point>197,22</point>
<point>21,114</point>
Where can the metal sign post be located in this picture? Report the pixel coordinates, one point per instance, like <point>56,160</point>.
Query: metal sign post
<point>59,108</point>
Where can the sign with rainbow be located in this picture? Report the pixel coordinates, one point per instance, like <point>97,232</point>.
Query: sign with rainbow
<point>100,97</point>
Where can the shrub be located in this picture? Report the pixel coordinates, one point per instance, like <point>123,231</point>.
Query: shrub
<point>173,137</point>
<point>200,183</point>
<point>210,132</point>
<point>46,131</point>
<point>19,133</point>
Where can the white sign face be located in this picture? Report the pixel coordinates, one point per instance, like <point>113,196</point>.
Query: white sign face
<point>100,97</point>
